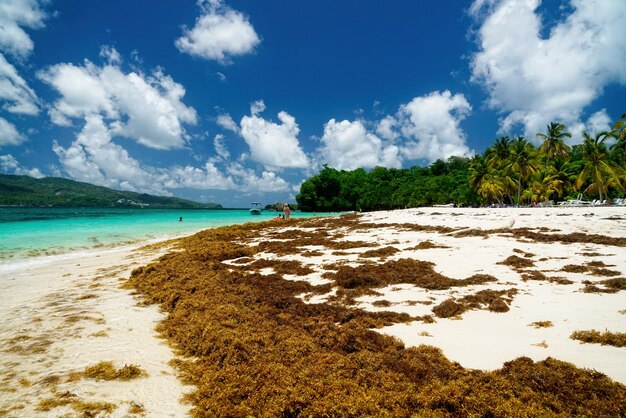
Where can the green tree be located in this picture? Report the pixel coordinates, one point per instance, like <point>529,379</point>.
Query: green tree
<point>553,146</point>
<point>522,164</point>
<point>597,173</point>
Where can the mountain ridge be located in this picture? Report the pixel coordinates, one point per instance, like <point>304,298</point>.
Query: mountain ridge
<point>17,190</point>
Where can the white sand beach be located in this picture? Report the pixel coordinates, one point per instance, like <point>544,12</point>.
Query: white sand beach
<point>482,339</point>
<point>64,314</point>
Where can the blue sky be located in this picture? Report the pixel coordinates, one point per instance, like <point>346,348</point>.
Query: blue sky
<point>235,101</point>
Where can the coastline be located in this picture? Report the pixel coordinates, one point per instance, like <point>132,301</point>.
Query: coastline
<point>52,310</point>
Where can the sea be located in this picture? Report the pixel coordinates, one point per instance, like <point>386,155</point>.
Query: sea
<point>28,234</point>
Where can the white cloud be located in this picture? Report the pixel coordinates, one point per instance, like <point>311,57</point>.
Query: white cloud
<point>207,177</point>
<point>82,91</point>
<point>15,14</point>
<point>226,121</point>
<point>20,98</point>
<point>110,54</point>
<point>219,33</point>
<point>94,158</point>
<point>596,123</point>
<point>249,181</point>
<point>9,165</point>
<point>534,80</point>
<point>257,107</point>
<point>146,108</point>
<point>8,134</point>
<point>430,126</point>
<point>220,147</point>
<point>599,122</point>
<point>272,144</point>
<point>386,128</point>
<point>348,145</point>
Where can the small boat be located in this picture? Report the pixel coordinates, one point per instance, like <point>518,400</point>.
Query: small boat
<point>255,208</point>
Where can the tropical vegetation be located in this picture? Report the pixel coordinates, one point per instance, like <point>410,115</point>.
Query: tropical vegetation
<point>509,172</point>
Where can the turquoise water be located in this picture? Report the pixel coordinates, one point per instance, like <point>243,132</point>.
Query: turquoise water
<point>34,232</point>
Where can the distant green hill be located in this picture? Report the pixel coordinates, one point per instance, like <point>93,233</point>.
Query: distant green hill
<point>54,191</point>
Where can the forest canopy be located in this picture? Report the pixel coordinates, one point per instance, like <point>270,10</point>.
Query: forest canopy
<point>509,172</point>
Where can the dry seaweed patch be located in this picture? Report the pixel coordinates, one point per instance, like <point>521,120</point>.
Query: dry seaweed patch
<point>541,324</point>
<point>524,253</point>
<point>312,253</point>
<point>616,339</point>
<point>88,409</point>
<point>533,236</point>
<point>253,346</point>
<point>492,300</point>
<point>383,252</point>
<point>609,286</point>
<point>593,268</point>
<point>539,276</point>
<point>25,345</point>
<point>517,262</point>
<point>405,270</point>
<point>292,267</point>
<point>427,245</point>
<point>106,371</point>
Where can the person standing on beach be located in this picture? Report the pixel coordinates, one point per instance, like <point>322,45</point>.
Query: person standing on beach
<point>286,211</point>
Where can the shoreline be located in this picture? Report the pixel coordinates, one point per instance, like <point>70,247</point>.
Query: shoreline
<point>67,313</point>
<point>57,312</point>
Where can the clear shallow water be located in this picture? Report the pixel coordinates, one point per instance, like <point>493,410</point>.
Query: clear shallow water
<point>32,232</point>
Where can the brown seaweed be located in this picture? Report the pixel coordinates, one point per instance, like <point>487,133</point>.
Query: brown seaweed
<point>252,345</point>
<point>616,339</point>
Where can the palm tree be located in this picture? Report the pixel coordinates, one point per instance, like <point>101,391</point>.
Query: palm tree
<point>522,163</point>
<point>486,180</point>
<point>561,177</point>
<point>499,152</point>
<point>540,189</point>
<point>478,169</point>
<point>597,167</point>
<point>553,146</point>
<point>619,129</point>
<point>619,148</point>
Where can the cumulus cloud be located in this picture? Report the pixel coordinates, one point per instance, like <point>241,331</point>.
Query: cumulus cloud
<point>430,126</point>
<point>249,181</point>
<point>94,158</point>
<point>9,165</point>
<point>8,134</point>
<point>348,145</point>
<point>273,144</point>
<point>14,90</point>
<point>226,121</point>
<point>147,108</point>
<point>533,80</point>
<point>15,94</point>
<point>219,33</point>
<point>386,128</point>
<point>15,14</point>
